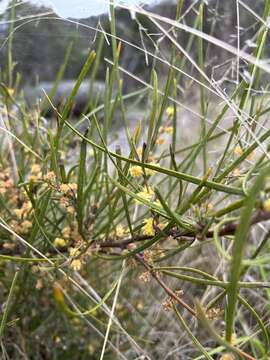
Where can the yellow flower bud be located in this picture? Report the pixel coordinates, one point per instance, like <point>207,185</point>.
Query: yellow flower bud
<point>136,171</point>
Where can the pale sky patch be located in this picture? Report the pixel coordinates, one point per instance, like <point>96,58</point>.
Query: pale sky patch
<point>77,8</point>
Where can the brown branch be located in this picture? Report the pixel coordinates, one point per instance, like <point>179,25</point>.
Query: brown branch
<point>170,292</point>
<point>228,229</point>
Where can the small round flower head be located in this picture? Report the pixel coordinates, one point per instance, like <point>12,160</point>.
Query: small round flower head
<point>73,252</point>
<point>18,212</point>
<point>214,313</point>
<point>238,150</point>
<point>35,169</point>
<point>160,141</point>
<point>50,176</point>
<point>148,256</point>
<point>167,304</point>
<point>27,206</point>
<point>169,130</point>
<point>136,171</point>
<point>68,188</point>
<point>70,210</point>
<point>161,130</point>
<point>148,228</point>
<point>170,111</point>
<point>25,226</point>
<point>35,173</point>
<point>76,264</point>
<point>179,293</point>
<point>266,205</point>
<point>120,231</point>
<point>9,246</point>
<point>66,232</point>
<point>146,194</point>
<point>145,277</point>
<point>33,178</point>
<point>59,242</point>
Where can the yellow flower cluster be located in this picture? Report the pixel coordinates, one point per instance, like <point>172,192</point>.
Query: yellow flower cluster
<point>168,303</point>
<point>148,257</point>
<point>163,129</point>
<point>59,243</point>
<point>167,129</point>
<point>120,231</point>
<point>6,183</point>
<point>145,277</point>
<point>76,264</point>
<point>266,205</point>
<point>146,194</point>
<point>66,232</point>
<point>73,252</point>
<point>238,150</point>
<point>136,171</point>
<point>70,209</point>
<point>50,177</point>
<point>23,224</point>
<point>160,141</point>
<point>71,234</point>
<point>24,210</point>
<point>23,227</point>
<point>148,228</point>
<point>9,246</point>
<point>170,111</point>
<point>35,173</point>
<point>68,191</point>
<point>214,313</point>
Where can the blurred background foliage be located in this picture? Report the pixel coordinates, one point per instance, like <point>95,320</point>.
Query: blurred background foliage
<point>40,42</point>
